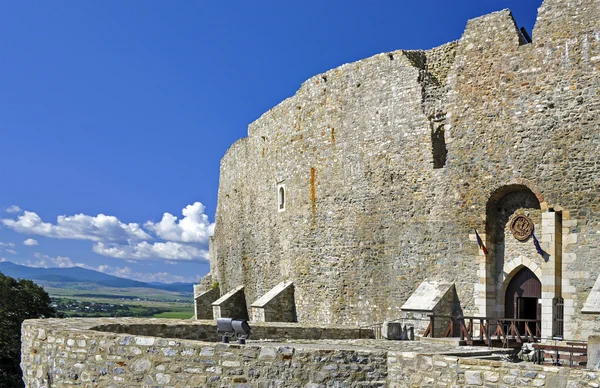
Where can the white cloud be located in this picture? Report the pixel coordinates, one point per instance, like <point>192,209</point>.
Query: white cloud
<point>13,209</point>
<point>167,250</point>
<point>46,261</point>
<point>2,260</point>
<point>185,239</point>
<point>30,242</point>
<point>193,227</point>
<point>78,227</point>
<point>7,247</point>
<point>162,277</point>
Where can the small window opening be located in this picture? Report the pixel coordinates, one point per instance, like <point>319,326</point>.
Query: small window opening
<point>438,147</point>
<point>558,316</point>
<point>281,198</point>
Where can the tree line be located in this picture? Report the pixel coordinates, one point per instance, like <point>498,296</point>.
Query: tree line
<point>19,300</point>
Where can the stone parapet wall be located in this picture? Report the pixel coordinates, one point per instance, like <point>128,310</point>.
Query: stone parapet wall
<point>57,353</point>
<point>206,330</point>
<point>156,353</point>
<point>557,24</point>
<point>420,370</point>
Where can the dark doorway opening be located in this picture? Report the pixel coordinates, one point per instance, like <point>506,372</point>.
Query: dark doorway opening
<point>527,308</point>
<point>522,297</point>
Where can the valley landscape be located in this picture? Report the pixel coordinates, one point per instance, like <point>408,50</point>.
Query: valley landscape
<point>80,292</point>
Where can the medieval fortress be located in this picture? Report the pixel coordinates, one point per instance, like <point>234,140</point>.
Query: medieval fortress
<point>357,201</point>
<point>371,181</point>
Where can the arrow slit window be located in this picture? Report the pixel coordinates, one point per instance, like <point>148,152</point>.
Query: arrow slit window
<point>281,198</point>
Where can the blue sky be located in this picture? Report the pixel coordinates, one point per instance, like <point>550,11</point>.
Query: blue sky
<point>114,115</point>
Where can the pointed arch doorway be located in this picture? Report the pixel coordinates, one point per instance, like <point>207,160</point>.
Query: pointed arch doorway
<point>522,297</point>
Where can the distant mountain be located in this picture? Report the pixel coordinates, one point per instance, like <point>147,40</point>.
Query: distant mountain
<point>82,275</point>
<point>175,287</point>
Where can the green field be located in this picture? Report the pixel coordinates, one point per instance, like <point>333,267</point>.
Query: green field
<point>134,302</point>
<point>176,314</point>
<point>108,293</point>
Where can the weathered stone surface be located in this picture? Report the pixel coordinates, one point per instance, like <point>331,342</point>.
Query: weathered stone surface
<point>295,363</point>
<point>594,353</point>
<point>141,365</point>
<point>203,301</point>
<point>390,163</point>
<point>427,296</point>
<point>170,361</point>
<point>491,376</point>
<point>392,330</point>
<point>433,297</point>
<point>592,302</point>
<point>231,305</point>
<point>277,305</point>
<point>473,377</point>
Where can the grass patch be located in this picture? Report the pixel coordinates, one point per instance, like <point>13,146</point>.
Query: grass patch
<point>176,314</point>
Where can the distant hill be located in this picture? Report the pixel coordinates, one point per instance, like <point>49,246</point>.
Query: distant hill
<point>175,287</point>
<point>82,275</point>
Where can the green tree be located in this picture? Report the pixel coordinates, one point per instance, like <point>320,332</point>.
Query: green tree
<point>19,300</point>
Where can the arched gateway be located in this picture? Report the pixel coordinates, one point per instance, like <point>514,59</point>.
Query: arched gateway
<point>514,265</point>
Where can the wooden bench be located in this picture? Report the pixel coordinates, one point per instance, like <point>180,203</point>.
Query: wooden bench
<point>578,344</point>
<point>577,353</point>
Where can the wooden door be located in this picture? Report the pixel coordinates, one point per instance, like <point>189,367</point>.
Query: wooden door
<point>522,294</point>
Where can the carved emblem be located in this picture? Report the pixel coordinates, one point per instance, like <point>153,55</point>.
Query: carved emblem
<point>521,227</point>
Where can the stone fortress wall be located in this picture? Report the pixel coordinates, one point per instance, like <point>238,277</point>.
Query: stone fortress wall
<point>390,163</point>
<point>167,353</point>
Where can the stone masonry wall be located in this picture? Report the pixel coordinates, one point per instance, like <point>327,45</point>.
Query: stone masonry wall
<point>529,114</point>
<point>203,301</point>
<point>231,305</point>
<point>206,330</point>
<point>277,305</point>
<point>389,164</point>
<point>426,370</point>
<point>57,354</point>
<point>69,352</point>
<point>352,237</point>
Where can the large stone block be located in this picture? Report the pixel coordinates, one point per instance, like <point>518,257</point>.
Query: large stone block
<point>391,330</point>
<point>231,305</point>
<point>594,352</point>
<point>203,303</point>
<point>277,305</point>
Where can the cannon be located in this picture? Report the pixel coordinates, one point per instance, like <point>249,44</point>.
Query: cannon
<point>229,327</point>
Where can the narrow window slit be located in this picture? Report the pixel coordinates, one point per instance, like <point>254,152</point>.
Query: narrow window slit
<point>281,198</point>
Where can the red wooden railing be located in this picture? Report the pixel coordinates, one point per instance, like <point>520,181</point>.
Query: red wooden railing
<point>505,329</point>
